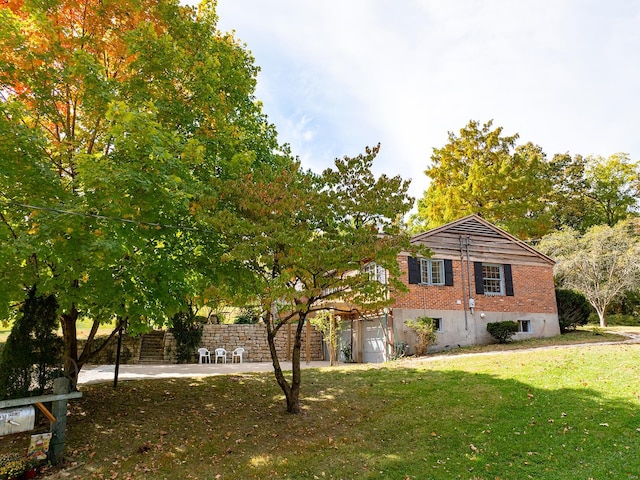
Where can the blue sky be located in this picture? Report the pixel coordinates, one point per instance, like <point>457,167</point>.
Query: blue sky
<point>338,75</point>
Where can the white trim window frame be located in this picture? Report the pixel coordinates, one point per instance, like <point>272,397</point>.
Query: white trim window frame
<point>493,279</point>
<point>432,272</point>
<point>525,326</point>
<point>376,272</point>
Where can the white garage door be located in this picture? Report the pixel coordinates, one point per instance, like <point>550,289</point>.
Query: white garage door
<point>373,334</point>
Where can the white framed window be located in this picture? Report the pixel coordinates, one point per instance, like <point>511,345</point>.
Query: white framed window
<point>437,325</point>
<point>431,271</point>
<point>493,279</point>
<point>524,326</point>
<point>376,272</point>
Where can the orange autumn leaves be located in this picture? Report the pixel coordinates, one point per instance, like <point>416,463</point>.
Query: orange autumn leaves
<point>63,64</point>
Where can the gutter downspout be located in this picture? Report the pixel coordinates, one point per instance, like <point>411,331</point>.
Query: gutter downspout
<point>471,299</point>
<point>464,288</point>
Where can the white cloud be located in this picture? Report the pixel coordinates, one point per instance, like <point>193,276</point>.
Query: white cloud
<point>337,76</point>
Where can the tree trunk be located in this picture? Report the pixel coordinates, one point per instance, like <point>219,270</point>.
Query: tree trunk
<point>291,391</point>
<point>73,361</point>
<point>602,315</point>
<point>293,402</point>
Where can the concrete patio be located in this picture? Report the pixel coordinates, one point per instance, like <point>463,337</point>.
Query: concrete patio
<point>105,373</point>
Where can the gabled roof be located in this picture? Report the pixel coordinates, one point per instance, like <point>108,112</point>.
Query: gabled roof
<point>475,226</point>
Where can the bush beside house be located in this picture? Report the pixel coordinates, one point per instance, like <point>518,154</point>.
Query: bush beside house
<point>502,331</point>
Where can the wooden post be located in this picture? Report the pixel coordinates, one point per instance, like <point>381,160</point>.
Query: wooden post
<point>358,341</point>
<point>59,411</point>
<point>308,343</point>
<point>117,369</point>
<point>331,342</point>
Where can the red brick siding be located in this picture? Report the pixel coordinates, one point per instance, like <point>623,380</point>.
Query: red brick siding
<point>532,285</point>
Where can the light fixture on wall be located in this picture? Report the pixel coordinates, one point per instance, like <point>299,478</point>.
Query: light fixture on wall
<point>482,315</point>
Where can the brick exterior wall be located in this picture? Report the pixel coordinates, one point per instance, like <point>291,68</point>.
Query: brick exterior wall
<point>532,285</point>
<point>253,338</point>
<point>533,300</point>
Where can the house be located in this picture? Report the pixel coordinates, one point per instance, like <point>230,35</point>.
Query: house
<point>477,274</point>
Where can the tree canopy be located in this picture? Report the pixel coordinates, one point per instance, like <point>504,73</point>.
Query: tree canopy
<point>595,190</point>
<point>304,240</point>
<point>602,264</point>
<point>120,122</point>
<point>613,186</point>
<point>484,171</point>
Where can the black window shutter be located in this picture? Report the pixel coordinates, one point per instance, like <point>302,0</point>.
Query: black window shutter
<point>508,280</point>
<point>477,270</point>
<point>414,270</point>
<point>448,273</point>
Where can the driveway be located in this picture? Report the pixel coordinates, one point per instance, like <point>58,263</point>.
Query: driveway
<point>105,373</point>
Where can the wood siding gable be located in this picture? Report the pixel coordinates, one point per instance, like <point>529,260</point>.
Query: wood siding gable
<point>482,241</point>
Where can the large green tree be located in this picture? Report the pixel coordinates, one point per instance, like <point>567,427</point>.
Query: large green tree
<point>304,240</point>
<point>483,171</point>
<point>568,204</point>
<point>613,185</point>
<point>595,190</point>
<point>120,122</point>
<point>603,264</point>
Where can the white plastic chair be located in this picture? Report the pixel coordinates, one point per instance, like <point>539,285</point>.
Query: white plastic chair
<point>204,355</point>
<point>221,353</point>
<point>237,353</point>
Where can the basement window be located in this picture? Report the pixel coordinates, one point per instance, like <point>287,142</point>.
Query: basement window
<point>437,324</point>
<point>524,326</point>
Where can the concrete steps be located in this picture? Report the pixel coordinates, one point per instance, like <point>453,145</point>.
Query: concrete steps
<point>152,348</point>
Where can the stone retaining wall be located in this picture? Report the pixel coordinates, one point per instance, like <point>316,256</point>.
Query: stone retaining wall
<point>253,338</point>
<point>129,354</point>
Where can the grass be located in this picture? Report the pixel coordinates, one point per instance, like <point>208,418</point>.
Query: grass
<point>5,330</point>
<point>571,413</point>
<point>579,336</point>
<point>83,328</point>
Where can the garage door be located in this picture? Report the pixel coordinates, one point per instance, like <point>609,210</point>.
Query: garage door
<point>373,351</point>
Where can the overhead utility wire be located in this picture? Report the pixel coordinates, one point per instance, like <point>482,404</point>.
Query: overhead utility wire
<point>164,225</point>
<point>103,217</point>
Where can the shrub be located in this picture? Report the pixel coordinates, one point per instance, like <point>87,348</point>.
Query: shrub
<point>188,333</point>
<point>622,319</point>
<point>618,319</point>
<point>32,355</point>
<point>503,331</point>
<point>247,316</point>
<point>346,353</point>
<point>573,309</point>
<point>423,327</point>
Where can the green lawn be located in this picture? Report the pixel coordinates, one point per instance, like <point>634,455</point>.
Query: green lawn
<point>5,330</point>
<point>83,327</point>
<point>570,413</point>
